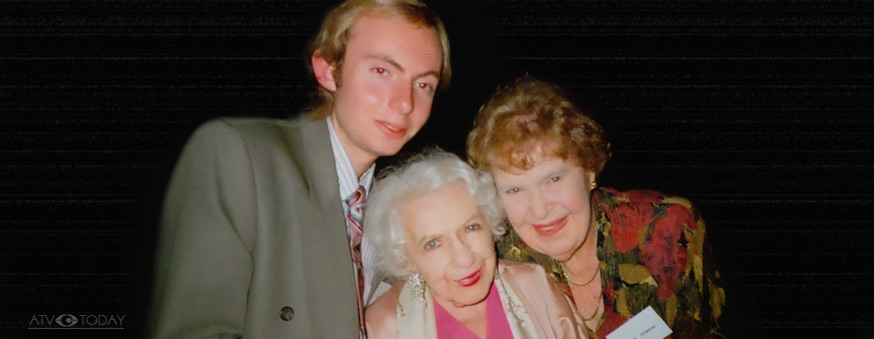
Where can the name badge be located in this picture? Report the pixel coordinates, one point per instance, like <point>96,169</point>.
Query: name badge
<point>645,325</point>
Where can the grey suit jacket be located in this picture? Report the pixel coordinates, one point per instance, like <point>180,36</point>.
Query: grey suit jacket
<point>253,240</point>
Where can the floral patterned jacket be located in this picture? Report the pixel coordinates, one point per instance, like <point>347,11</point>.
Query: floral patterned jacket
<point>653,252</point>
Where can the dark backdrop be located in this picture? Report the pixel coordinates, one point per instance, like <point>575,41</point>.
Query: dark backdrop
<point>758,111</point>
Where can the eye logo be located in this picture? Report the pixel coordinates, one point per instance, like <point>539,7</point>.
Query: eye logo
<point>66,320</point>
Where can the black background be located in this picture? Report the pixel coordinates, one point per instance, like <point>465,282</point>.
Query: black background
<point>757,111</point>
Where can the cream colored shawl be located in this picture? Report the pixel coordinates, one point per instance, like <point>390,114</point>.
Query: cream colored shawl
<point>534,306</point>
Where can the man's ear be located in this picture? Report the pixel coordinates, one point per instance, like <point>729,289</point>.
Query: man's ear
<point>324,72</point>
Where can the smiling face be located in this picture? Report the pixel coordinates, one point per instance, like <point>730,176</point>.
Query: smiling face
<point>450,244</point>
<point>383,95</point>
<point>548,205</point>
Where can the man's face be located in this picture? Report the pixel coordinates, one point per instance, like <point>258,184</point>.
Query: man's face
<point>390,72</point>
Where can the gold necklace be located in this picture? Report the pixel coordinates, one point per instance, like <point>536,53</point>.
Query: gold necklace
<point>598,307</point>
<point>600,294</point>
<point>585,283</point>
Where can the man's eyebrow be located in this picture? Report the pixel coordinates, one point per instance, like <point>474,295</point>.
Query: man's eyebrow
<point>390,60</point>
<point>386,58</point>
<point>436,74</point>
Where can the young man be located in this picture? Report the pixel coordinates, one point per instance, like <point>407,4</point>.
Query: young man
<point>256,240</point>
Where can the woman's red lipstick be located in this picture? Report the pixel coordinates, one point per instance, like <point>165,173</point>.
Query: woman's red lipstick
<point>550,228</point>
<point>470,279</point>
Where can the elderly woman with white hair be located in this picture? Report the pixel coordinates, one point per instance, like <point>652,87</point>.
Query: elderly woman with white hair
<point>434,222</point>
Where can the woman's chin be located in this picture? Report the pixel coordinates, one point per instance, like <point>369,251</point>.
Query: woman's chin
<point>558,253</point>
<point>561,251</point>
<point>469,301</point>
<point>468,296</point>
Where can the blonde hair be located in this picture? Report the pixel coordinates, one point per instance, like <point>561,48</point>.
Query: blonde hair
<point>528,119</point>
<point>330,43</point>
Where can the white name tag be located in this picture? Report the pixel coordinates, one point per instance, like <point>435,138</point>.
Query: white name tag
<point>644,325</point>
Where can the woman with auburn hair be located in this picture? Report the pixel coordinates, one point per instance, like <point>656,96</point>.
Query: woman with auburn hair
<point>615,252</point>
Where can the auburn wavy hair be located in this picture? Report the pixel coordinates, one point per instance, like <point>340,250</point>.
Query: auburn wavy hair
<point>528,119</point>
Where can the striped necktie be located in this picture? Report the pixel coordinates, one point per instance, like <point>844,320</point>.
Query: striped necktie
<point>354,218</point>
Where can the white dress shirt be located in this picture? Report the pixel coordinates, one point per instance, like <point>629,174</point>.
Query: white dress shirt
<point>348,184</point>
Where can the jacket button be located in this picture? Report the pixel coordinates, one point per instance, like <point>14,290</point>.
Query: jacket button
<point>286,313</point>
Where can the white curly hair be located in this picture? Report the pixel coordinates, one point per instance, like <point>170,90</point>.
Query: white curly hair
<point>421,174</point>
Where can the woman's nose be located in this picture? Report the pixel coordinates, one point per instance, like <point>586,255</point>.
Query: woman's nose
<point>463,255</point>
<point>539,205</point>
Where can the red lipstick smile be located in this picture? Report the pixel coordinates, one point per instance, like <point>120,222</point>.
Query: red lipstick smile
<point>470,279</point>
<point>551,228</point>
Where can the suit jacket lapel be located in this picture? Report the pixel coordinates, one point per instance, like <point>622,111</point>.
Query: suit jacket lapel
<point>321,173</point>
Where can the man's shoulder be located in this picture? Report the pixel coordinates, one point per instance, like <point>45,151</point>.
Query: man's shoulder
<point>299,129</point>
<point>266,124</point>
<point>264,142</point>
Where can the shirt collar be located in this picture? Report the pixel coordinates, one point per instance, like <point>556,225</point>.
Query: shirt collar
<point>345,172</point>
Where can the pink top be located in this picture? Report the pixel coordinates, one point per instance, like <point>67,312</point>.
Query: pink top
<point>496,321</point>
